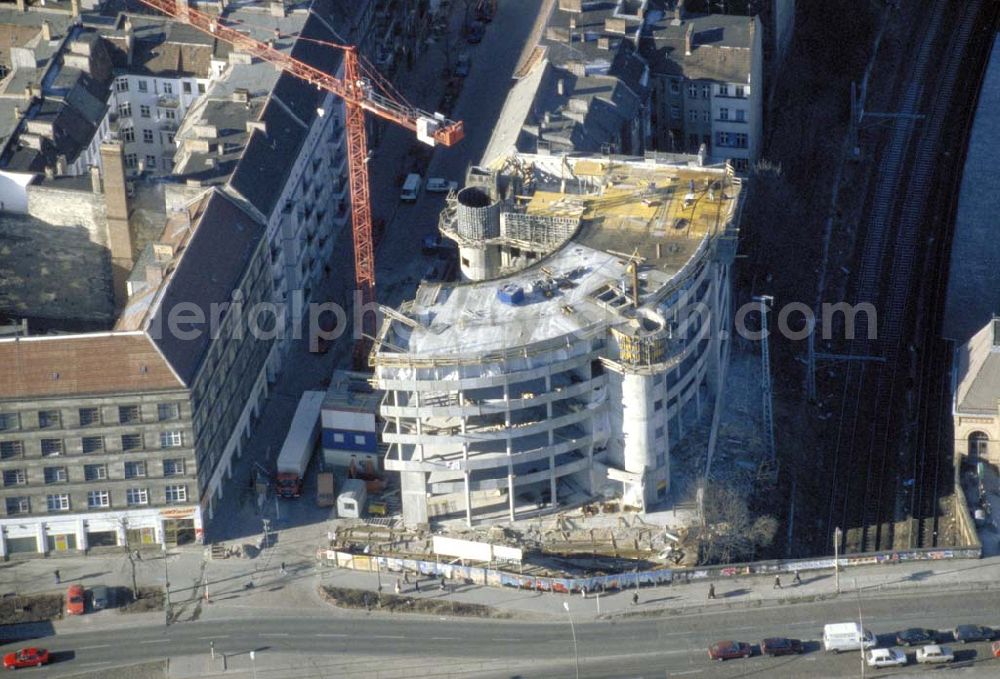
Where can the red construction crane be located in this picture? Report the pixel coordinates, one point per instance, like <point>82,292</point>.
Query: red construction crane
<point>359,95</point>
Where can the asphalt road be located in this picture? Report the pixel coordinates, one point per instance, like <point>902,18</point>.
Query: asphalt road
<point>636,647</point>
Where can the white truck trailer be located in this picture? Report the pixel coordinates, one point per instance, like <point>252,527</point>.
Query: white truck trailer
<point>299,445</point>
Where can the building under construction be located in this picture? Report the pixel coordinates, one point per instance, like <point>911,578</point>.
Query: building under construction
<point>588,332</point>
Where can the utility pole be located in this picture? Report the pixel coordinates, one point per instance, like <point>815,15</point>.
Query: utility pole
<point>836,556</point>
<point>166,582</point>
<point>765,362</point>
<point>861,624</point>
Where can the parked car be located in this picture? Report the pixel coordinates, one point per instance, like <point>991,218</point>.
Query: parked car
<point>967,633</point>
<point>100,597</point>
<point>26,657</point>
<point>915,636</point>
<point>780,646</point>
<point>475,33</point>
<point>727,650</point>
<point>463,65</point>
<point>76,601</point>
<point>885,657</point>
<point>440,185</point>
<point>933,654</point>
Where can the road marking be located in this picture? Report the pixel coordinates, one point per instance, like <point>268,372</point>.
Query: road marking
<point>385,636</point>
<point>221,636</point>
<point>446,638</point>
<point>678,674</point>
<point>331,635</point>
<point>87,648</point>
<point>275,634</point>
<point>505,639</point>
<point>95,664</point>
<point>155,641</point>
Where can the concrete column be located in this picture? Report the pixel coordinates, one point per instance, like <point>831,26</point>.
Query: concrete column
<point>552,479</point>
<point>81,536</point>
<point>510,488</point>
<point>161,532</point>
<point>122,536</point>
<point>413,493</point>
<point>3,543</point>
<point>43,541</point>
<point>468,500</point>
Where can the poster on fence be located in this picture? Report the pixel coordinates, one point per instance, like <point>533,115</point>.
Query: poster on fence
<point>345,560</point>
<point>363,562</point>
<point>494,578</point>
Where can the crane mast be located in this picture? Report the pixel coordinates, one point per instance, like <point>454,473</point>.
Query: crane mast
<point>358,96</point>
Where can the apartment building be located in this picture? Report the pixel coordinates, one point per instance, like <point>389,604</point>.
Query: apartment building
<point>976,396</point>
<point>588,335</point>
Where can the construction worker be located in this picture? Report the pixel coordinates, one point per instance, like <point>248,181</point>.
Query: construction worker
<point>283,571</point>
<point>443,586</point>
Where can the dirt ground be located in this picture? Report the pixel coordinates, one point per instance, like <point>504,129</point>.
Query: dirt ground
<point>392,603</point>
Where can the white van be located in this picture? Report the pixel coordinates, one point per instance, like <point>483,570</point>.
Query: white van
<point>846,636</point>
<point>411,187</point>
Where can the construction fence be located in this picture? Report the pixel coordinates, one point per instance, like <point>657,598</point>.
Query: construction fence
<point>494,577</point>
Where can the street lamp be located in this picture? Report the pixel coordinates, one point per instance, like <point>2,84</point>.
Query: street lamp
<point>166,582</point>
<point>572,628</point>
<point>253,664</point>
<point>836,556</point>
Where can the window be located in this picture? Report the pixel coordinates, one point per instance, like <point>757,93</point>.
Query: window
<point>131,441</point>
<point>658,404</point>
<point>125,109</point>
<point>95,472</point>
<point>147,136</point>
<point>135,470</point>
<point>706,116</point>
<point>706,91</point>
<point>724,90</point>
<point>144,111</point>
<point>693,91</point>
<point>131,161</point>
<point>11,449</point>
<point>121,85</point>
<point>57,503</point>
<point>18,505</point>
<point>89,416</point>
<point>201,88</point>
<point>741,140</point>
<point>675,86</point>
<point>143,86</point>
<point>170,137</point>
<point>48,419</point>
<point>359,440</point>
<point>723,139</point>
<point>723,114</point>
<point>56,475</point>
<point>98,498</point>
<point>659,432</point>
<point>128,134</point>
<point>176,494</point>
<point>93,444</point>
<point>151,162</point>
<point>740,164</point>
<point>137,496</point>
<point>675,112</point>
<point>51,447</point>
<point>168,88</point>
<point>741,91</point>
<point>14,477</point>
<point>186,86</point>
<point>171,439</point>
<point>692,116</point>
<point>170,114</point>
<point>173,467</point>
<point>128,414</point>
<point>167,411</point>
<point>8,421</point>
<point>741,115</point>
<point>693,141</point>
<point>338,438</point>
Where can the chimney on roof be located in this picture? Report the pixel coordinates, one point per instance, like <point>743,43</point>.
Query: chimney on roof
<point>277,8</point>
<point>154,274</point>
<point>241,95</point>
<point>560,87</point>
<point>182,10</point>
<point>689,39</point>
<point>74,6</point>
<point>20,6</point>
<point>17,112</point>
<point>116,204</point>
<point>678,12</point>
<point>46,31</point>
<point>61,165</point>
<point>95,179</point>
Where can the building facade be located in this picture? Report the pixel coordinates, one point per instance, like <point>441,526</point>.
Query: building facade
<point>586,338</point>
<point>976,396</point>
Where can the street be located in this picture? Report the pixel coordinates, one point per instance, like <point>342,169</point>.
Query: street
<point>318,645</point>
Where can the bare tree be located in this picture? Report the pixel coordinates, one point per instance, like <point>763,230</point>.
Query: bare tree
<point>130,555</point>
<point>732,534</point>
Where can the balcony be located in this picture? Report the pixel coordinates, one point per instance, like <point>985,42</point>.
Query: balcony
<point>168,101</point>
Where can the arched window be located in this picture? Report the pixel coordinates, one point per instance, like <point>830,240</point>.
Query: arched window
<point>978,445</point>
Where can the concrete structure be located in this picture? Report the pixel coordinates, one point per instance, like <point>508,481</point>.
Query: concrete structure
<point>590,334</point>
<point>976,395</point>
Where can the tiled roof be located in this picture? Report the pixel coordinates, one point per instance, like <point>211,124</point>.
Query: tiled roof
<point>978,367</point>
<point>722,47</point>
<point>74,365</point>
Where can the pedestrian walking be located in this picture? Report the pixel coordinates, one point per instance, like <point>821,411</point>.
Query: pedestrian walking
<point>406,577</point>
<point>711,590</point>
<point>583,591</point>
<point>58,580</point>
<point>797,580</point>
<point>398,588</point>
<point>443,587</point>
<point>635,598</point>
<point>777,582</point>
<point>283,571</point>
<point>416,585</point>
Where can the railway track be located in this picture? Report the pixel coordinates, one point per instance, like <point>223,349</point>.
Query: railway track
<point>872,476</point>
